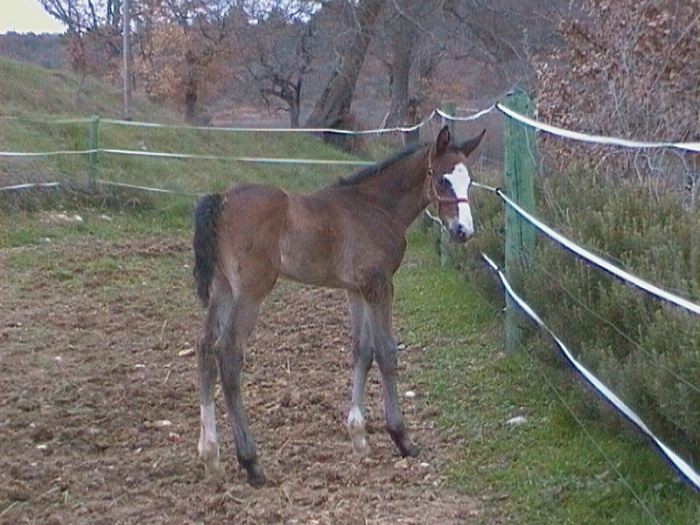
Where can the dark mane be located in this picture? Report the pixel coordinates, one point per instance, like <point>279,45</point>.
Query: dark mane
<point>371,171</point>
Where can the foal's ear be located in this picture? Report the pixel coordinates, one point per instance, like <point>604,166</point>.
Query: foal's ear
<point>471,144</point>
<point>442,141</point>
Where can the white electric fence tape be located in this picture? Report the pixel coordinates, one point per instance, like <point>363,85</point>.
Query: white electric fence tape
<point>598,261</point>
<point>31,185</point>
<point>684,468</point>
<point>687,146</point>
<point>47,153</point>
<point>402,129</point>
<point>146,188</point>
<point>238,159</point>
<point>474,116</point>
<point>598,139</point>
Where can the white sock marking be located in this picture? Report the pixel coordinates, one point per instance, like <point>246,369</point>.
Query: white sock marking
<point>208,441</point>
<point>355,418</point>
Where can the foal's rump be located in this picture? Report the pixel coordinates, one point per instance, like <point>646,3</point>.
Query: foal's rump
<point>237,230</point>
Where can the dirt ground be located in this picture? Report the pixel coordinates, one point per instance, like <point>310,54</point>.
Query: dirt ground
<point>99,411</point>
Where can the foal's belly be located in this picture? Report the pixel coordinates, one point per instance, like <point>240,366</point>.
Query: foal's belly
<point>311,261</point>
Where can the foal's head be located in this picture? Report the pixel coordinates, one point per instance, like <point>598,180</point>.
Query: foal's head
<point>448,183</point>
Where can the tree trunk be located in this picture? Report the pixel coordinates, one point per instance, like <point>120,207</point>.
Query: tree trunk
<point>334,103</point>
<point>295,107</point>
<point>402,58</point>
<point>191,89</point>
<point>191,103</point>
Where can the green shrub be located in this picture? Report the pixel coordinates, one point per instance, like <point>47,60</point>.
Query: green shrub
<point>644,349</point>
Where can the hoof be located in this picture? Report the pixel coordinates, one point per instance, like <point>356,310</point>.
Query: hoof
<point>209,455</point>
<point>214,473</point>
<point>406,448</point>
<point>410,451</point>
<point>257,479</point>
<point>360,447</point>
<point>356,431</point>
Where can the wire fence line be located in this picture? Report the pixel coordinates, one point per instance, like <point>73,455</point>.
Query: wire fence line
<point>474,115</point>
<point>597,261</point>
<point>436,113</point>
<point>137,153</point>
<point>552,276</point>
<point>686,470</point>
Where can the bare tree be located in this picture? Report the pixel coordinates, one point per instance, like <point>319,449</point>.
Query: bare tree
<point>93,31</point>
<point>402,43</point>
<point>182,44</point>
<point>280,51</point>
<point>417,39</point>
<point>333,106</point>
<point>85,15</point>
<point>185,49</point>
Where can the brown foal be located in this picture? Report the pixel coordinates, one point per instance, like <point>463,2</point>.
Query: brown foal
<point>351,235</point>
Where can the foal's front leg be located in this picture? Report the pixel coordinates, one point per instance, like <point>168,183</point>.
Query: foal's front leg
<point>386,355</point>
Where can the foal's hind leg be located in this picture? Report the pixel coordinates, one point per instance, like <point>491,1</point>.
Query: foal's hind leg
<point>231,358</point>
<point>362,361</point>
<point>386,354</point>
<point>208,446</point>
<point>228,325</point>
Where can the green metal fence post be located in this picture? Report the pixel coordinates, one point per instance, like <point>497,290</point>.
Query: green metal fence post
<point>93,145</point>
<point>520,169</point>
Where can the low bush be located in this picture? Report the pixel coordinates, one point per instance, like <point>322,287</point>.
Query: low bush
<point>646,350</point>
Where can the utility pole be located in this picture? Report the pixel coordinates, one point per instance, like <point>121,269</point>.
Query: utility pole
<point>126,49</point>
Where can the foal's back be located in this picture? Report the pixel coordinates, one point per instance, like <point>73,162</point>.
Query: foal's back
<point>329,238</point>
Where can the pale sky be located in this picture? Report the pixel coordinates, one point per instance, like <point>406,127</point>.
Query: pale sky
<point>27,16</point>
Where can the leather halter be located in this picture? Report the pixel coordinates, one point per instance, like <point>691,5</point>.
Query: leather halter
<point>432,188</point>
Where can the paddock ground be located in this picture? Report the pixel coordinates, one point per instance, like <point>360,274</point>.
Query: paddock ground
<point>99,411</point>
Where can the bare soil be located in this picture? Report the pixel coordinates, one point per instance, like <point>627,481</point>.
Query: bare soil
<point>99,410</point>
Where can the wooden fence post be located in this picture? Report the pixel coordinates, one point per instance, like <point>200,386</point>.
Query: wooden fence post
<point>520,169</point>
<point>93,144</point>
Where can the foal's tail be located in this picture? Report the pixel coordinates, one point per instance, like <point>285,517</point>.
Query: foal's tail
<point>206,214</point>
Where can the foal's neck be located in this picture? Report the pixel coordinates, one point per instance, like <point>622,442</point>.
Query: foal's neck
<point>410,193</point>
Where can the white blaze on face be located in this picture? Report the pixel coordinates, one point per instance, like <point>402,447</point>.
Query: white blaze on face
<point>460,180</point>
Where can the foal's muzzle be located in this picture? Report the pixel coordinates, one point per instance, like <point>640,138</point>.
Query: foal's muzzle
<point>460,234</point>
